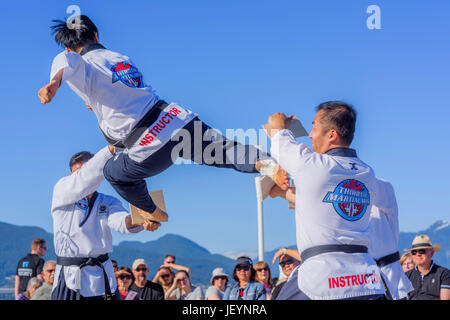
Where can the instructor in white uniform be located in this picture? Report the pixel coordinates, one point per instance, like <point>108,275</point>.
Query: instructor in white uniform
<point>82,219</point>
<point>334,194</point>
<point>131,115</point>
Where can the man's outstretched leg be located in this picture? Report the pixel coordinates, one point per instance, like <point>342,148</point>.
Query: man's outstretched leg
<point>209,147</point>
<point>128,182</point>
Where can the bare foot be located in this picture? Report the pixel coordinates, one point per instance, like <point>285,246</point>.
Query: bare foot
<point>280,177</point>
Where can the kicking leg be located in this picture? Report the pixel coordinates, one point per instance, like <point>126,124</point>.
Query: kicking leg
<point>126,179</point>
<point>209,147</point>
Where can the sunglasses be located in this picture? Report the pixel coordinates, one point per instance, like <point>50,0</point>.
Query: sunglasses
<point>245,268</point>
<point>421,251</point>
<point>262,269</point>
<point>284,263</point>
<point>220,277</point>
<point>50,270</point>
<point>125,276</point>
<point>167,275</point>
<point>141,269</point>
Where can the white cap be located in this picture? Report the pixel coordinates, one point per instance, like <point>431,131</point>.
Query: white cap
<point>138,262</point>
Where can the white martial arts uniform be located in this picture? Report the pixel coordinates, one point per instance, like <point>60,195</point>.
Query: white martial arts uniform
<point>334,195</point>
<point>114,88</point>
<point>383,235</point>
<point>93,238</point>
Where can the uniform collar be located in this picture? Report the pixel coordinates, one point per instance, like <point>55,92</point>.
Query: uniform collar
<point>90,206</point>
<point>90,47</point>
<point>342,152</point>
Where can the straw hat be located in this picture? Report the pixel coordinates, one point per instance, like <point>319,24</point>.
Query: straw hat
<point>422,241</point>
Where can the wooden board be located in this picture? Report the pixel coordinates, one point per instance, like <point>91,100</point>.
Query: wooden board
<point>138,216</point>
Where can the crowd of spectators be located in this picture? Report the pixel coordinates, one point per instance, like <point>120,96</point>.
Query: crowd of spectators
<point>252,281</point>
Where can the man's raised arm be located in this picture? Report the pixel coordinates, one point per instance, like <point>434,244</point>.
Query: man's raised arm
<point>48,92</point>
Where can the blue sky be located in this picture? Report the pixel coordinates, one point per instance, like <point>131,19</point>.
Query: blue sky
<point>235,62</point>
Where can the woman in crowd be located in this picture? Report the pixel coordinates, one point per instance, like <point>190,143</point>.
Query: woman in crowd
<point>245,288</point>
<point>264,277</point>
<point>406,261</point>
<point>219,281</point>
<point>125,279</point>
<point>182,288</point>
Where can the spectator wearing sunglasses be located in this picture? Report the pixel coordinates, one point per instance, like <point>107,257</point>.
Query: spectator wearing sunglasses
<point>124,278</point>
<point>164,277</point>
<point>147,290</point>
<point>182,289</point>
<point>169,262</point>
<point>219,281</point>
<point>287,263</point>
<point>430,281</point>
<point>406,261</point>
<point>245,288</point>
<point>264,276</point>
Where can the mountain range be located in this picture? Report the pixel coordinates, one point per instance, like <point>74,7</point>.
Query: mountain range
<point>15,243</point>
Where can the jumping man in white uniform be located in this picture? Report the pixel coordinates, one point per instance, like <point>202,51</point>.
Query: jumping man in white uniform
<point>82,219</point>
<point>334,194</point>
<point>132,116</point>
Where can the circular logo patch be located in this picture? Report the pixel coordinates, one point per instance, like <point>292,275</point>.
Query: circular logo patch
<point>350,199</point>
<point>83,204</point>
<point>127,74</point>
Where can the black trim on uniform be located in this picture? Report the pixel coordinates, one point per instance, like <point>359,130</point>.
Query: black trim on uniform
<point>90,206</point>
<point>91,47</point>
<point>342,152</point>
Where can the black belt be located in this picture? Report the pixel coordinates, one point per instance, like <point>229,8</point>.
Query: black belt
<point>390,258</point>
<point>83,262</point>
<point>150,117</point>
<point>347,248</point>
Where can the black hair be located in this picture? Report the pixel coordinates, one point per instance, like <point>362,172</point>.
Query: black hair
<point>341,117</point>
<point>80,157</point>
<point>75,33</point>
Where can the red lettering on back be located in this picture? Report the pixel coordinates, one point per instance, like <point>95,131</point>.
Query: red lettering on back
<point>163,120</point>
<point>342,281</point>
<point>348,279</point>
<point>335,282</point>
<point>161,125</point>
<point>176,111</point>
<point>361,279</point>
